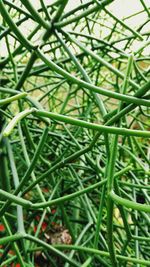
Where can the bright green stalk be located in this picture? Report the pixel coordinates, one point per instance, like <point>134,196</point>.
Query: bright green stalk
<point>126,98</point>
<point>98,100</point>
<point>129,204</point>
<point>16,183</point>
<point>51,248</point>
<point>12,98</point>
<point>28,172</point>
<point>60,200</point>
<point>110,175</point>
<point>104,253</point>
<point>99,59</point>
<point>82,14</point>
<point>9,128</point>
<point>145,7</point>
<point>14,28</point>
<point>35,14</point>
<point>94,126</point>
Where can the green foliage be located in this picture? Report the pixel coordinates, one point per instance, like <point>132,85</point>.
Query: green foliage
<point>74,135</point>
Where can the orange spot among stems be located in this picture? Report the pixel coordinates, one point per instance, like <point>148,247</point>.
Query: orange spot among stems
<point>2,227</point>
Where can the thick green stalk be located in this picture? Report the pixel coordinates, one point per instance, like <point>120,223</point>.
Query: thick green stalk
<point>12,98</point>
<point>94,126</point>
<point>99,59</point>
<point>52,249</point>
<point>16,183</point>
<point>35,14</point>
<point>98,100</point>
<point>14,244</point>
<point>29,170</point>
<point>14,28</point>
<point>73,79</point>
<point>104,253</point>
<point>9,128</point>
<point>82,14</point>
<point>60,200</point>
<point>129,204</point>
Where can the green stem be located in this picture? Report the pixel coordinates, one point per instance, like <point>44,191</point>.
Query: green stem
<point>14,28</point>
<point>35,14</point>
<point>129,203</point>
<point>9,128</point>
<point>94,126</point>
<point>12,98</point>
<point>62,199</point>
<point>82,14</point>
<point>103,253</point>
<point>125,98</point>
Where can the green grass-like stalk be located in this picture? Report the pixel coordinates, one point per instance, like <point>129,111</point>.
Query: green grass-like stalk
<point>74,134</point>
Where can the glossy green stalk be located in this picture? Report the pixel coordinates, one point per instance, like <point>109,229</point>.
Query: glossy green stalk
<point>12,98</point>
<point>110,174</point>
<point>26,71</point>
<point>4,171</point>
<point>104,253</point>
<point>82,14</point>
<point>58,15</point>
<point>16,183</point>
<point>60,200</point>
<point>51,248</point>
<point>145,7</point>
<point>87,262</point>
<point>35,14</point>
<point>94,126</point>
<point>77,166</point>
<point>18,200</point>
<point>28,172</point>
<point>110,185</point>
<point>9,128</point>
<point>99,59</point>
<point>14,28</point>
<point>129,204</point>
<point>126,98</point>
<point>14,244</point>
